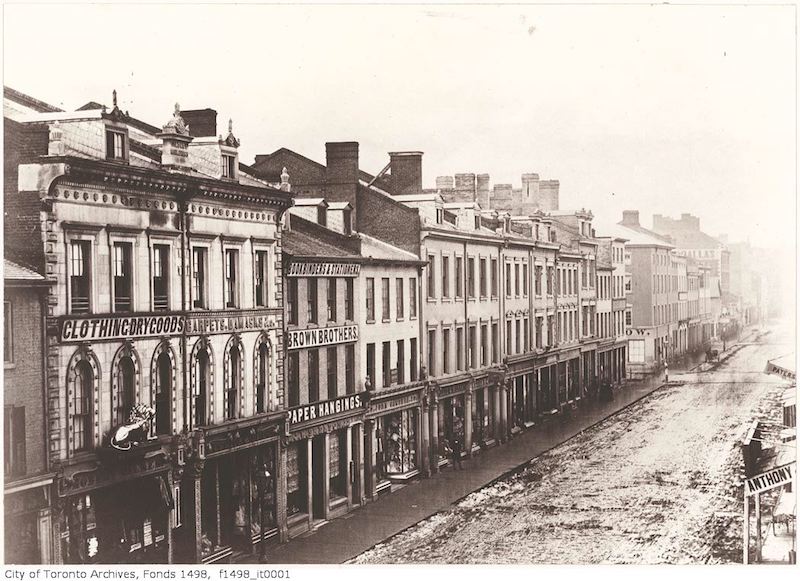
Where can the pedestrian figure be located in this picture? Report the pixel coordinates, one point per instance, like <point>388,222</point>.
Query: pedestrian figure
<point>456,449</point>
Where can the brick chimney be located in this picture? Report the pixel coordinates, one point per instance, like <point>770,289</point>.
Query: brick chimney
<point>465,187</point>
<point>201,122</point>
<point>483,190</point>
<point>445,183</point>
<point>630,218</point>
<point>341,174</point>
<point>406,169</point>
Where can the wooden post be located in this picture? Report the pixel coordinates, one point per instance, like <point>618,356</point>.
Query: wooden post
<point>758,528</point>
<point>746,530</point>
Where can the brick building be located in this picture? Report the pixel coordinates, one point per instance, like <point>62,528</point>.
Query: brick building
<point>28,479</point>
<point>164,333</point>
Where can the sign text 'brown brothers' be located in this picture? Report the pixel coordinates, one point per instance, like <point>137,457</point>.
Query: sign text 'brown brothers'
<point>770,479</point>
<point>323,269</point>
<point>321,336</point>
<point>323,409</point>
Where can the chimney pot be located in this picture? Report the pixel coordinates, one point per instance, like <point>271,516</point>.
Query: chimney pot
<point>630,217</point>
<point>201,122</point>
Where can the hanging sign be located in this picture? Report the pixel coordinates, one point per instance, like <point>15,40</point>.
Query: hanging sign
<point>770,479</point>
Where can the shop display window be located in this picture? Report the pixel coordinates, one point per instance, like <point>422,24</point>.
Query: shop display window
<point>451,422</point>
<point>482,416</point>
<point>397,440</point>
<point>337,450</point>
<point>296,479</point>
<point>79,543</point>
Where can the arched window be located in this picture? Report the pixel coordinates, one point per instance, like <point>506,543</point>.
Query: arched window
<point>201,393</point>
<point>234,384</point>
<point>263,378</point>
<point>126,384</point>
<point>83,384</point>
<point>163,393</point>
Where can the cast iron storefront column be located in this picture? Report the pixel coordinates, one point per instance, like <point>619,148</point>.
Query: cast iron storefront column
<point>369,455</point>
<point>281,487</point>
<point>424,452</point>
<point>434,423</point>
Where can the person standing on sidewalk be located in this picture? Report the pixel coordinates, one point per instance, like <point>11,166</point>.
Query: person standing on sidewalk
<point>457,443</point>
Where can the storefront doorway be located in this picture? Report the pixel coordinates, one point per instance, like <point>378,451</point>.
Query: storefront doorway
<point>319,501</point>
<point>354,468</point>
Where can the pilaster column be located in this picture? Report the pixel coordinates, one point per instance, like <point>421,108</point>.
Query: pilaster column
<point>434,423</point>
<point>280,490</point>
<point>468,421</point>
<point>369,459</point>
<point>350,463</point>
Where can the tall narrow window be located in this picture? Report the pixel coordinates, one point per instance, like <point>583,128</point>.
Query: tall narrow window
<point>413,362</point>
<point>432,353</point>
<point>385,310</point>
<point>539,332</point>
<point>312,299</point>
<point>495,342</point>
<point>401,361</point>
<point>331,299</point>
<point>518,334</point>
<point>387,363</point>
<point>8,333</point>
<point>482,277</point>
<point>370,299</point>
<point>508,338</point>
<point>228,166</point>
<point>399,298</point>
<point>262,261</point>
<point>459,348</point>
<point>199,266</point>
<point>371,364</point>
<point>14,440</point>
<point>231,278</point>
<point>431,276</point>
<point>126,390</point>
<point>484,345</point>
<point>471,278</point>
<point>79,280</point>
<point>525,281</point>
<point>348,299</point>
<point>293,371</point>
<point>291,301</point>
<point>550,278</point>
<point>445,276</point>
<point>263,378</point>
<point>508,279</point>
<point>526,334</point>
<point>161,271</point>
<point>445,351</point>
<point>350,368</point>
<point>537,281</point>
<point>412,298</point>
<point>494,277</point>
<point>516,280</point>
<point>313,375</point>
<point>163,394</point>
<point>82,433</point>
<point>473,347</point>
<point>459,277</point>
<point>201,394</point>
<point>333,370</point>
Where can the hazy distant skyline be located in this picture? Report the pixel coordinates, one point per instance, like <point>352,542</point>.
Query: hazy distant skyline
<point>664,109</point>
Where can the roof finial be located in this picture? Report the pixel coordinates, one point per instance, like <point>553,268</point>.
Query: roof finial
<point>177,110</point>
<point>230,125</point>
<point>114,97</point>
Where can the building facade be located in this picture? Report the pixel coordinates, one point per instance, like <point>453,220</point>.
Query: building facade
<point>164,342</point>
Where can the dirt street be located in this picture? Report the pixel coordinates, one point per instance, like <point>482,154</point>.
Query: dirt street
<point>657,483</point>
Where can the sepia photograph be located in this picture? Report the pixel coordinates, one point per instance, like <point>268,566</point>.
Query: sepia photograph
<point>397,284</point>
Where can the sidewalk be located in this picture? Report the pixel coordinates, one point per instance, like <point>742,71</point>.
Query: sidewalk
<point>342,539</point>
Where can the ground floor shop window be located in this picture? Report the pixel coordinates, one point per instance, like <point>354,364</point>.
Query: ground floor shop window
<point>636,351</point>
<point>573,379</point>
<point>547,388</point>
<point>337,466</point>
<point>21,524</point>
<point>397,437</point>
<point>522,400</point>
<point>451,423</point>
<point>263,479</point>
<point>482,415</point>
<point>296,478</point>
<point>126,523</point>
<point>562,381</point>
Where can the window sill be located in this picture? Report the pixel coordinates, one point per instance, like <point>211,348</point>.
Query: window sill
<point>9,365</point>
<point>386,320</point>
<point>431,299</point>
<point>400,319</point>
<point>370,321</point>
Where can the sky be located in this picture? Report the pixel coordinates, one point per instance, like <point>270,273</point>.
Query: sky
<point>664,109</point>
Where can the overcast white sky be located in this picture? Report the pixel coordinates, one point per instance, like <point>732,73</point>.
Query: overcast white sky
<point>667,109</point>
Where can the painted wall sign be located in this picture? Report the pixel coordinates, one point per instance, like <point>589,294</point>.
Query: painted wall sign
<point>771,479</point>
<point>101,328</point>
<point>637,332</point>
<point>210,324</point>
<point>324,409</point>
<point>322,336</point>
<point>773,369</point>
<point>323,269</point>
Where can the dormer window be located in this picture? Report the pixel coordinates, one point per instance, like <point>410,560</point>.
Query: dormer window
<point>116,145</point>
<point>439,215</point>
<point>477,222</point>
<point>229,166</point>
<point>322,215</point>
<point>347,219</point>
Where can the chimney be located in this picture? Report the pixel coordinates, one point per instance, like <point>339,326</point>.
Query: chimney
<point>444,183</point>
<point>548,195</point>
<point>201,122</point>
<point>630,218</point>
<point>465,187</point>
<point>501,197</point>
<point>530,186</point>
<point>175,141</point>
<point>406,169</point>
<point>341,174</point>
<point>483,190</point>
